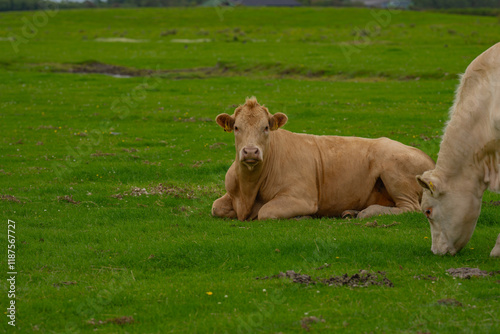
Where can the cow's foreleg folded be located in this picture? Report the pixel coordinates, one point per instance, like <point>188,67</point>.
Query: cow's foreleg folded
<point>287,207</point>
<point>223,207</point>
<point>377,210</point>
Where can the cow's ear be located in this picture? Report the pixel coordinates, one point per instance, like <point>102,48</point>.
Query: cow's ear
<point>277,121</point>
<point>226,122</point>
<point>429,182</point>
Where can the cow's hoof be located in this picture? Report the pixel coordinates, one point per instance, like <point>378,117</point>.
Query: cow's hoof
<point>350,214</point>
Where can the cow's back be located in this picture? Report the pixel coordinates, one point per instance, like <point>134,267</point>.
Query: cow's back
<point>339,172</point>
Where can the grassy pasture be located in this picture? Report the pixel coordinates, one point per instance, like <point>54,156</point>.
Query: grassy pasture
<point>76,147</point>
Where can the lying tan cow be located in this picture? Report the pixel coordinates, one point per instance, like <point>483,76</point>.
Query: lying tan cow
<point>280,174</point>
<point>469,158</point>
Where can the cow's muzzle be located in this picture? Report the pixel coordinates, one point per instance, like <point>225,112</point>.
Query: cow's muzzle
<point>250,155</point>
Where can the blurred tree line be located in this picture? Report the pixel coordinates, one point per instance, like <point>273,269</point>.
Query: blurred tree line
<point>7,5</point>
<point>448,4</point>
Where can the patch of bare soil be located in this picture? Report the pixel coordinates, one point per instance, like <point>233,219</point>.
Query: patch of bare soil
<point>95,67</point>
<point>326,265</point>
<point>100,68</point>
<point>67,198</point>
<point>192,119</point>
<point>102,154</point>
<point>47,127</point>
<point>217,145</point>
<point>493,203</point>
<point>147,162</point>
<point>425,277</point>
<point>169,190</point>
<point>467,273</point>
<point>305,322</point>
<point>119,321</point>
<point>449,302</point>
<point>362,279</point>
<point>58,285</point>
<point>375,224</point>
<point>198,164</point>
<point>9,198</point>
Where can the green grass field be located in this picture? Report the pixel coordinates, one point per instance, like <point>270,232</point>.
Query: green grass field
<point>77,147</point>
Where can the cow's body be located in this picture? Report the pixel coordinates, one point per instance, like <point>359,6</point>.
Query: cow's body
<point>469,157</point>
<point>308,175</point>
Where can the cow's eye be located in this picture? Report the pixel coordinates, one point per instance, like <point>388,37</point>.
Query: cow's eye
<point>236,128</point>
<point>266,128</point>
<point>428,212</point>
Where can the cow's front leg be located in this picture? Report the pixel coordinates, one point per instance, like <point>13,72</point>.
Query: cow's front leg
<point>223,207</point>
<point>287,207</point>
<point>377,210</point>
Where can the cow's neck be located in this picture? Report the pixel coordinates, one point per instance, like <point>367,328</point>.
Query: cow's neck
<point>466,133</point>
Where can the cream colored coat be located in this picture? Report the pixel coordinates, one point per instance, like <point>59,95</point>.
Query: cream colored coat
<point>469,158</point>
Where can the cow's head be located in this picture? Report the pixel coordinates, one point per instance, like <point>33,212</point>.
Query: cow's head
<point>452,209</point>
<point>251,124</point>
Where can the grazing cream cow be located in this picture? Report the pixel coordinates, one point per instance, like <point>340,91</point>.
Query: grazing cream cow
<point>469,158</point>
<point>280,174</point>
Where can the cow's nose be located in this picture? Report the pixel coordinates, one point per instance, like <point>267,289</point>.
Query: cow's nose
<point>254,151</point>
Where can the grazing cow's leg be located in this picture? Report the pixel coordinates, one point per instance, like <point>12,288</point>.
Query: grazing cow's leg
<point>223,207</point>
<point>496,249</point>
<point>287,207</point>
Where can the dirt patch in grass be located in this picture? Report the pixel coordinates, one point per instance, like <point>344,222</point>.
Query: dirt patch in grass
<point>192,119</point>
<point>102,154</point>
<point>147,162</point>
<point>47,127</point>
<point>95,67</point>
<point>375,224</point>
<point>305,322</point>
<point>119,321</point>
<point>58,285</point>
<point>10,198</point>
<point>217,145</point>
<point>186,192</point>
<point>467,273</point>
<point>67,198</point>
<point>362,279</point>
<point>100,68</point>
<point>199,163</point>
<point>266,70</point>
<point>493,203</point>
<point>425,277</point>
<point>449,302</point>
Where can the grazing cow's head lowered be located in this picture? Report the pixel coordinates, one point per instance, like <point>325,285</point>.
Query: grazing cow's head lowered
<point>251,124</point>
<point>452,212</point>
